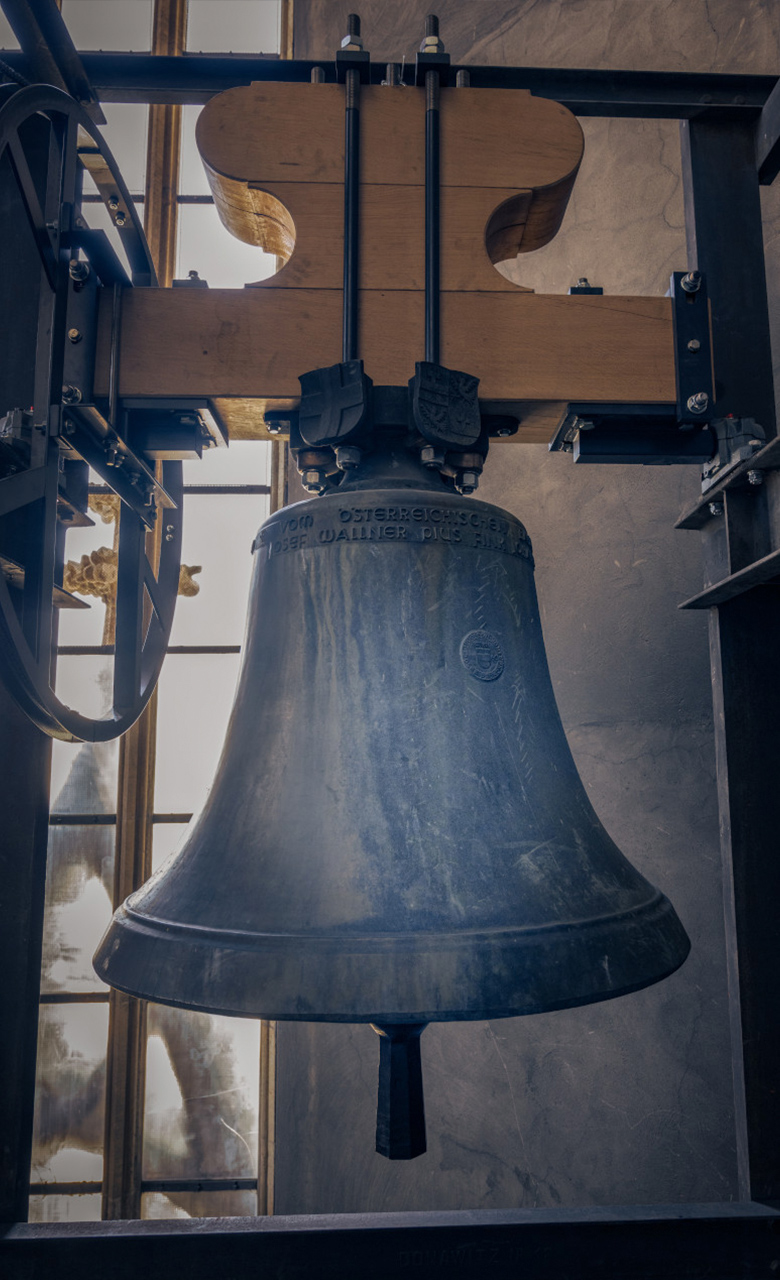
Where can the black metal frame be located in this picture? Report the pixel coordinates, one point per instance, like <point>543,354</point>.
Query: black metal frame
<point>65,420</point>
<point>731,142</point>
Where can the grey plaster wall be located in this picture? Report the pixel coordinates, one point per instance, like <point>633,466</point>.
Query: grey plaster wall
<point>629,1101</point>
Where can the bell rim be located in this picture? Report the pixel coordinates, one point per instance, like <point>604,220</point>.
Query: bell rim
<point>661,946</point>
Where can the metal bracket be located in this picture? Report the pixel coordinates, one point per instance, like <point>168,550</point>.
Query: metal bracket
<point>738,439</point>
<point>692,348</point>
<point>649,434</point>
<point>655,434</point>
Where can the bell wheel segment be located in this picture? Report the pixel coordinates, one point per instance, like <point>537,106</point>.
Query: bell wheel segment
<point>58,439</point>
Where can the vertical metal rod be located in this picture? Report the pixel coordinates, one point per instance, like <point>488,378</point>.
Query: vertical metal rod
<point>432,206</point>
<point>349,346</point>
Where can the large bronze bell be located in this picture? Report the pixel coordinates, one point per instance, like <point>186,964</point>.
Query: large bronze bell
<point>397,832</point>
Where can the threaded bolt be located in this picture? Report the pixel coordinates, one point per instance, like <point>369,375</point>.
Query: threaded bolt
<point>353,24</point>
<point>692,282</point>
<point>699,402</point>
<point>431,25</point>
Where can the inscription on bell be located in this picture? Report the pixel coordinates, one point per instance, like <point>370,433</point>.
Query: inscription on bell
<point>482,655</point>
<point>425,523</point>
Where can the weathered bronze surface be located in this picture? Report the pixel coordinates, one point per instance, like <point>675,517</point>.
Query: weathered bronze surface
<point>397,832</point>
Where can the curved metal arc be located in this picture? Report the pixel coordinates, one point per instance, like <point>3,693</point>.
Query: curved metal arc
<point>139,661</point>
<point>46,100</point>
<point>30,678</point>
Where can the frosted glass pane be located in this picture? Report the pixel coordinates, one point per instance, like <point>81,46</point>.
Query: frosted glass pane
<point>165,840</point>
<point>125,133</point>
<point>218,536</point>
<point>109,24</point>
<point>79,882</point>
<point>207,247</point>
<point>85,683</point>
<point>192,175</point>
<point>84,775</point>
<point>199,1204</point>
<point>233,26</point>
<point>7,38</point>
<point>84,626</point>
<point>70,1093</point>
<point>195,700</point>
<point>202,1091</point>
<point>242,462</point>
<point>65,1208</point>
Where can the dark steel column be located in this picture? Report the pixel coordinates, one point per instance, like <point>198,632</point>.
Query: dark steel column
<point>723,223</point>
<point>725,240</point>
<point>25,756</point>
<point>25,752</point>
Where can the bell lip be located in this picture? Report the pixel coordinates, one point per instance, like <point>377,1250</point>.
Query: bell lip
<point>400,940</point>
<point>404,1017</point>
<point>660,947</point>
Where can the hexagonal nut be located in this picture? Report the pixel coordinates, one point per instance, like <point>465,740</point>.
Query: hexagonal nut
<point>313,480</point>
<point>699,402</point>
<point>468,482</point>
<point>431,457</point>
<point>432,44</point>
<point>347,457</point>
<point>352,44</point>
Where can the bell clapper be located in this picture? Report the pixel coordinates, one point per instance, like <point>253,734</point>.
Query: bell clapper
<point>400,1112</point>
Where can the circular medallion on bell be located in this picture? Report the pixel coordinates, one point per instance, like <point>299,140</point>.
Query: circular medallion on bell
<point>482,655</point>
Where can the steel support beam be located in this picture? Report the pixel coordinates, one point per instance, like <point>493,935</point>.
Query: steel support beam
<point>25,756</point>
<point>723,224</point>
<point>678,1242</point>
<point>194,78</point>
<point>768,139</point>
<point>50,54</point>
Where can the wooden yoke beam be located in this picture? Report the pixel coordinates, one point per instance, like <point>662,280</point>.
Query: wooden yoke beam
<point>245,348</point>
<point>274,155</point>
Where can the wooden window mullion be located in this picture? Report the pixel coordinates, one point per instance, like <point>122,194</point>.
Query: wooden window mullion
<point>126,1059</point>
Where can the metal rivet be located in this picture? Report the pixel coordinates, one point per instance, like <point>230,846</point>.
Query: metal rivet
<point>694,345</point>
<point>716,508</point>
<point>74,335</point>
<point>755,477</point>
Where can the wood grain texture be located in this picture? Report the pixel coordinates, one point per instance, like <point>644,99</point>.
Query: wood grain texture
<point>251,345</point>
<point>271,148</point>
<point>391,234</point>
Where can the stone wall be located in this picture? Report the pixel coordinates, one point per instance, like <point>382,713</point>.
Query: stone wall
<point>629,1101</point>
